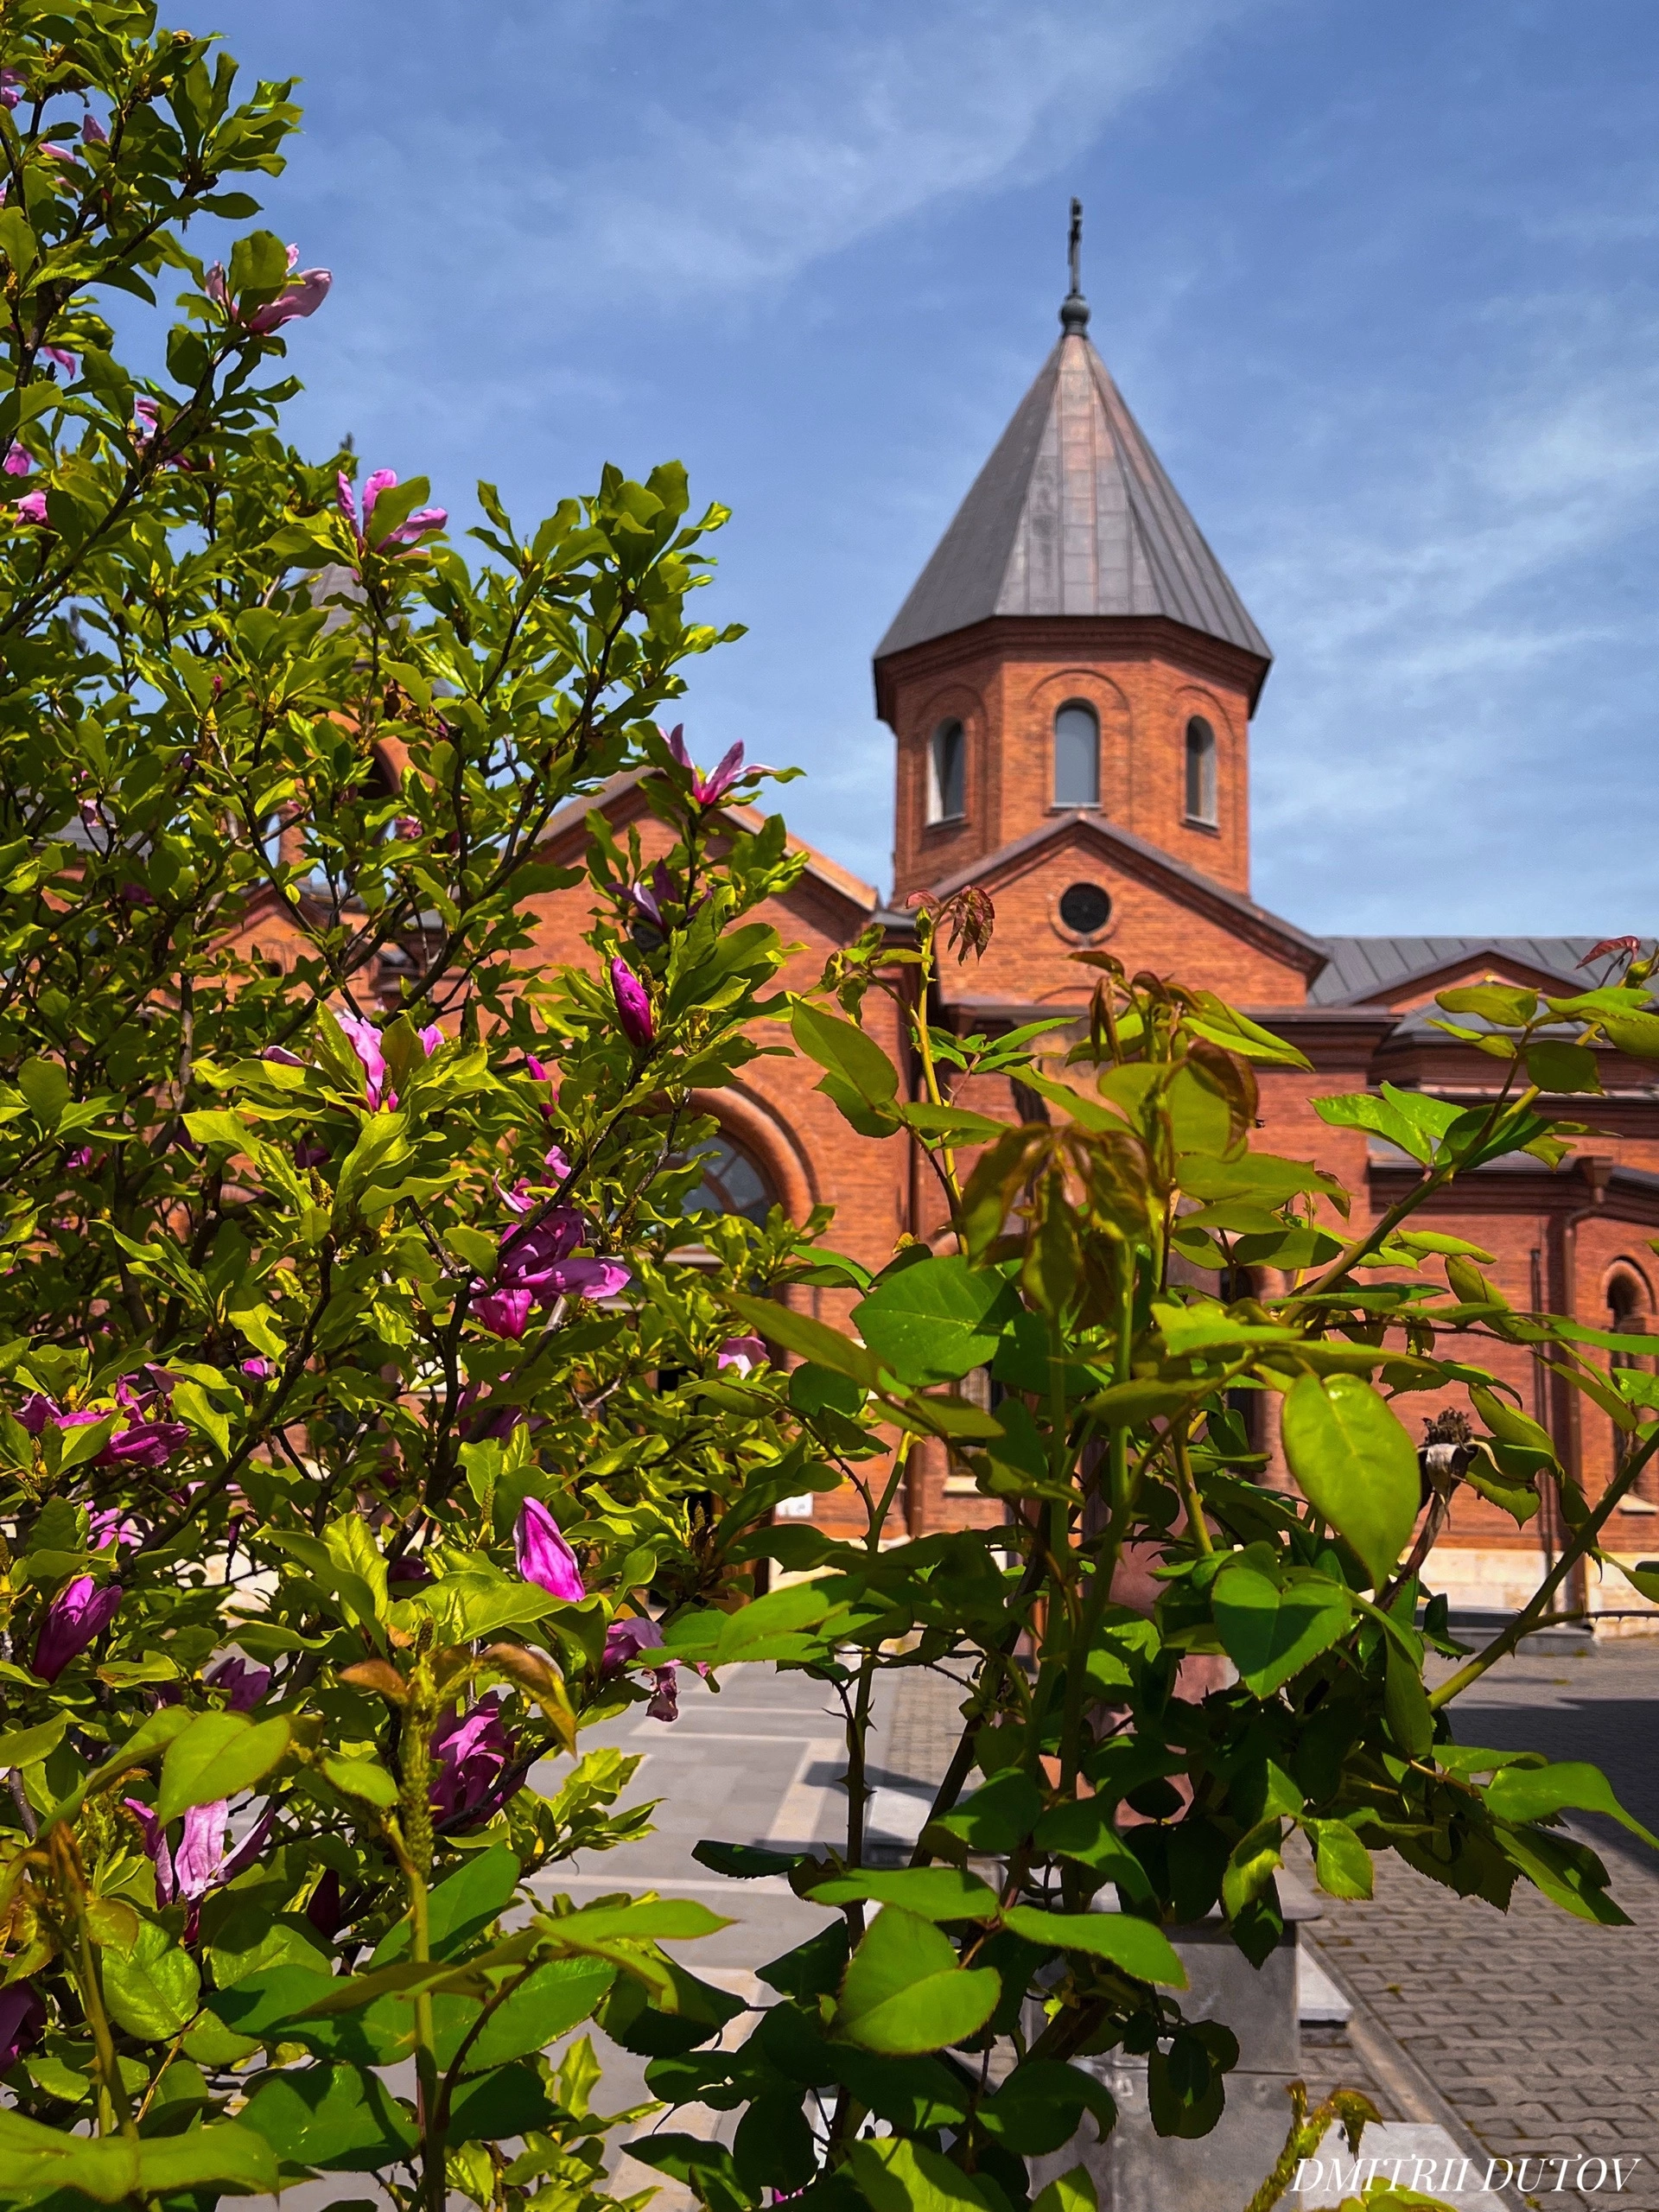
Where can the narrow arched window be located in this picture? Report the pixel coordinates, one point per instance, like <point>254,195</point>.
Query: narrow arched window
<point>1076,756</point>
<point>1200,772</point>
<point>1627,1317</point>
<point>947,774</point>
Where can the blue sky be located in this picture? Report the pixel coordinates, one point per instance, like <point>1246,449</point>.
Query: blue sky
<point>1378,281</point>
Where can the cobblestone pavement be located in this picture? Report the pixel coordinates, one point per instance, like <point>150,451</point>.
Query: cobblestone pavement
<point>1531,2034</point>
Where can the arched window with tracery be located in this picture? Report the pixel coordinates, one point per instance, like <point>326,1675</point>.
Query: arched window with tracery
<point>1201,772</point>
<point>731,1181</point>
<point>1076,756</point>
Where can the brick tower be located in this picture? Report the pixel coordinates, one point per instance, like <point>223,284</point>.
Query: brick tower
<point>1073,646</point>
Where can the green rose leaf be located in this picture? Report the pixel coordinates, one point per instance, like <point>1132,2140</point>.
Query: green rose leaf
<point>903,1992</point>
<point>1270,1634</point>
<point>1135,1945</point>
<point>1354,1465</point>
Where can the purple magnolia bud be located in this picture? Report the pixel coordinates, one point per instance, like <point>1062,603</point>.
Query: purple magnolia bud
<point>155,1848</point>
<point>744,1353</point>
<point>632,1006</point>
<point>65,360</point>
<point>76,1617</point>
<point>31,507</point>
<point>92,132</point>
<point>244,1684</point>
<point>309,1155</point>
<point>36,1410</point>
<point>556,1163</point>
<point>324,1912</point>
<point>625,1639</point>
<point>470,1753</point>
<point>11,87</point>
<point>282,1056</point>
<point>22,2020</point>
<point>505,1312</point>
<point>259,1368</point>
<point>675,740</point>
<point>543,1554</point>
<point>409,1571</point>
<point>110,1525</point>
<point>17,462</point>
<point>365,1040</point>
<point>347,503</point>
<point>430,1040</point>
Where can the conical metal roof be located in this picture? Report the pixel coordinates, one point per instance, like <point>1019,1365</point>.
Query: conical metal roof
<point>1073,514</point>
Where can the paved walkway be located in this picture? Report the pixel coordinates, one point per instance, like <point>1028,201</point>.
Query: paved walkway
<point>1526,2035</point>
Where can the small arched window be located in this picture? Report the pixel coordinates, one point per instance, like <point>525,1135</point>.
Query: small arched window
<point>1201,772</point>
<point>1076,756</point>
<point>947,774</point>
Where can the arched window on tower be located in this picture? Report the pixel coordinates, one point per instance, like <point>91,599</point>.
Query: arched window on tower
<point>947,774</point>
<point>1201,772</point>
<point>1076,756</point>
<point>1627,1317</point>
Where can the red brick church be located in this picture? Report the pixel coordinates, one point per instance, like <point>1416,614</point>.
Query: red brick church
<point>1070,685</point>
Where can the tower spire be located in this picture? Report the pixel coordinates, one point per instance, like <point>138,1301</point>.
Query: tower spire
<point>1074,308</point>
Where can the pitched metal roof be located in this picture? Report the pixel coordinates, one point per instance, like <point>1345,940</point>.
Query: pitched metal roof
<point>1363,968</point>
<point>1072,514</point>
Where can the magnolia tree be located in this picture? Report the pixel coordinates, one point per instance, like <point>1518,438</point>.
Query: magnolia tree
<point>363,1441</point>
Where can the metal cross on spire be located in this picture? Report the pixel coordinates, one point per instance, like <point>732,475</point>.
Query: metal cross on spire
<point>1074,309</point>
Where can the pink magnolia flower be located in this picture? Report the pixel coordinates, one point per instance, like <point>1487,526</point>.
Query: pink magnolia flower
<point>470,1752</point>
<point>17,462</point>
<point>625,1639</point>
<point>309,1155</point>
<point>365,1040</point>
<point>11,87</point>
<point>431,1037</point>
<point>137,894</point>
<point>22,2016</point>
<point>419,525</point>
<point>110,1525</point>
<point>664,1703</point>
<point>537,1258</point>
<point>258,1368</point>
<point>303,294</point>
<point>744,1353</point>
<point>632,1006</point>
<point>711,790</point>
<point>556,1162</point>
<point>282,1056</point>
<point>505,1312</point>
<point>65,360</point>
<point>76,1617</point>
<point>149,1444</point>
<point>243,1683</point>
<point>31,507</point>
<point>543,1556</point>
<point>92,132</point>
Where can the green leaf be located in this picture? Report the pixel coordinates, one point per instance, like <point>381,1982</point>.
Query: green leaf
<point>845,1051</point>
<point>745,1862</point>
<point>930,1892</point>
<point>1507,1004</point>
<point>1135,1945</point>
<point>1510,1426</point>
<point>814,1340</point>
<point>1340,1859</point>
<point>936,1321</point>
<point>1039,2105</point>
<point>897,2175</point>
<point>27,1747</point>
<point>1082,1828</point>
<point>1354,1465</point>
<point>1270,1635</point>
<point>153,1990</point>
<point>1537,1793</point>
<point>113,2168</point>
<point>361,1779</point>
<point>46,1087</point>
<point>1411,1722</point>
<point>1555,1065</point>
<point>903,1992</point>
<point>999,1817</point>
<point>1072,2192</point>
<point>545,2006</point>
<point>512,2101</point>
<point>337,2118</point>
<point>217,1755</point>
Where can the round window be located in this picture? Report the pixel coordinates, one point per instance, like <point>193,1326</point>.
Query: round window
<point>1085,909</point>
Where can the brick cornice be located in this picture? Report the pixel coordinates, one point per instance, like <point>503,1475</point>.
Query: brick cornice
<point>1070,637</point>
